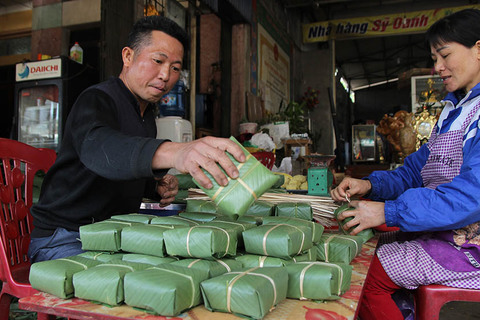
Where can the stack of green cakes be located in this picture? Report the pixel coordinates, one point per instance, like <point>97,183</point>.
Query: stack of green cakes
<point>233,253</point>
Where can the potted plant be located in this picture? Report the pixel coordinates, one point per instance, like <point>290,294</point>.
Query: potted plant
<point>294,114</point>
<point>246,126</point>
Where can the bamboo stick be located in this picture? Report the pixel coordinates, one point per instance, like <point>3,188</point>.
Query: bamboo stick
<point>322,207</point>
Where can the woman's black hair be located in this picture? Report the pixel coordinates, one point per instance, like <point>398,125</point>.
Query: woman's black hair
<point>462,27</point>
<point>142,30</point>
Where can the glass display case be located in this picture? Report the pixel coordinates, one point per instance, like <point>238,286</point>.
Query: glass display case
<point>364,139</point>
<point>38,116</point>
<point>45,92</point>
<point>427,91</point>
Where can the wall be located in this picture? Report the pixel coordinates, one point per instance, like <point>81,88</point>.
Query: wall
<point>51,20</point>
<point>209,71</point>
<point>240,74</point>
<point>81,12</point>
<point>210,31</point>
<point>16,22</point>
<point>313,70</point>
<point>310,67</point>
<point>15,25</point>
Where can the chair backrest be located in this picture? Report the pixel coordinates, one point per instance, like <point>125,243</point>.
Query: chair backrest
<point>266,158</point>
<point>19,164</point>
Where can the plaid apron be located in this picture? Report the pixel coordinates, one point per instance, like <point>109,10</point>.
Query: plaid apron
<point>450,258</point>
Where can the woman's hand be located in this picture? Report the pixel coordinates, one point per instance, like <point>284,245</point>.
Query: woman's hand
<point>167,188</point>
<point>367,214</point>
<point>207,153</point>
<point>350,187</point>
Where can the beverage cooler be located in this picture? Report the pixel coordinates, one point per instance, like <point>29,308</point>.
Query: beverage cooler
<point>44,94</point>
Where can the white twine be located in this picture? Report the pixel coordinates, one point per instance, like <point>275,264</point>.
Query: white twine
<point>76,262</point>
<point>116,265</point>
<point>249,272</point>
<point>264,241</point>
<point>214,227</point>
<point>340,271</point>
<point>185,276</point>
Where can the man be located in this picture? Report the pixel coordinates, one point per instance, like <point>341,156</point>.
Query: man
<point>109,158</point>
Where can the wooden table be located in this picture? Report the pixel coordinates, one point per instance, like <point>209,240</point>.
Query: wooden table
<point>344,309</point>
<point>303,143</point>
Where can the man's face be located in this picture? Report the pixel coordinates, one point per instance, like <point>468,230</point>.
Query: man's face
<point>153,69</point>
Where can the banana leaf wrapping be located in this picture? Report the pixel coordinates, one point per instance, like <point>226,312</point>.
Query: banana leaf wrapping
<point>318,280</point>
<point>280,240</point>
<point>317,228</point>
<point>280,181</point>
<point>102,256</point>
<point>198,216</point>
<point>174,221</point>
<point>309,255</point>
<point>181,196</point>
<point>261,208</point>
<point>134,217</point>
<point>256,220</point>
<point>299,210</point>
<point>252,292</point>
<point>253,260</point>
<point>103,236</point>
<point>145,239</point>
<point>338,248</point>
<point>234,226</point>
<point>204,242</point>
<point>55,276</point>
<point>185,181</point>
<point>166,290</point>
<point>366,234</point>
<point>235,198</point>
<point>104,282</point>
<point>198,205</point>
<point>147,259</point>
<point>214,268</point>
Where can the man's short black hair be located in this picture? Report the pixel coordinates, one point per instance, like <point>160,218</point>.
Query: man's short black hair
<point>142,30</point>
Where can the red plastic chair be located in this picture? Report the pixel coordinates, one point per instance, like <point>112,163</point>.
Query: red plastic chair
<point>430,299</point>
<point>19,163</point>
<point>266,158</point>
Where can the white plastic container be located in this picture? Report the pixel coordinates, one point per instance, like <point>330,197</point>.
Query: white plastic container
<point>248,127</point>
<point>174,128</point>
<point>76,53</point>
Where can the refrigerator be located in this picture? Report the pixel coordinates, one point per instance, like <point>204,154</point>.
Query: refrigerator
<point>45,91</point>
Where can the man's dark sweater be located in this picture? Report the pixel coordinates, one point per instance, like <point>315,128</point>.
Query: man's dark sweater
<point>104,166</point>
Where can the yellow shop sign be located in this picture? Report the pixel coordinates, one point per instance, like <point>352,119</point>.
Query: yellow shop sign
<point>397,23</point>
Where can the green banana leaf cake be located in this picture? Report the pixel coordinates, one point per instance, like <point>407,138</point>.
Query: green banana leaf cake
<point>236,198</point>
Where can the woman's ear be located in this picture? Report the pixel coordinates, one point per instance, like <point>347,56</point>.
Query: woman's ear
<point>477,46</point>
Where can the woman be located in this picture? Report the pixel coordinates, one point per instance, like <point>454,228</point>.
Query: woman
<point>436,191</point>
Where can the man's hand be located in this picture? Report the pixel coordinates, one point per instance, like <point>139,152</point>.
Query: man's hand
<point>367,214</point>
<point>206,153</point>
<point>350,187</point>
<point>167,188</point>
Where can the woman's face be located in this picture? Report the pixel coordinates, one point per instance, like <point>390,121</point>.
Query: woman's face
<point>457,65</point>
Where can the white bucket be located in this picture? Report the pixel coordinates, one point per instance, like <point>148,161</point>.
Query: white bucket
<point>248,127</point>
